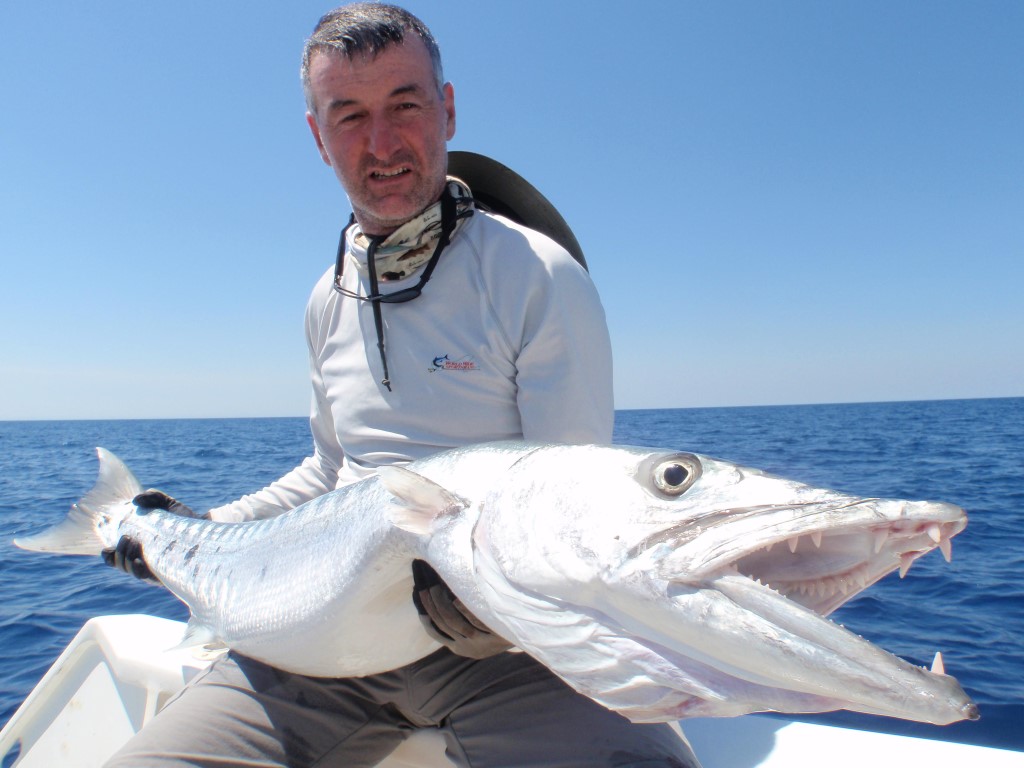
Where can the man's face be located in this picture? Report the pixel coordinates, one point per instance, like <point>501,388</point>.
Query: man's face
<point>383,127</point>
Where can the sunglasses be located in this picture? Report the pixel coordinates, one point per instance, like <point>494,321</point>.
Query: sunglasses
<point>376,298</point>
<point>395,297</point>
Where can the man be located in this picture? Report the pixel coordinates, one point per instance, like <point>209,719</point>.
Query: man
<point>507,340</point>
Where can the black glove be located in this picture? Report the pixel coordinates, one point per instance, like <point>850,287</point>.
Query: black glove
<point>127,555</point>
<point>154,499</point>
<point>447,620</point>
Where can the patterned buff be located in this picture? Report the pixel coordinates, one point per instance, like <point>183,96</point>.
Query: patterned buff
<point>410,246</point>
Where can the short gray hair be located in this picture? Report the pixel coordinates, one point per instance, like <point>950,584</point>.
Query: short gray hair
<point>366,28</point>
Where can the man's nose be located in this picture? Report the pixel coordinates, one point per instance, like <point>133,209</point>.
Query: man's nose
<point>384,139</point>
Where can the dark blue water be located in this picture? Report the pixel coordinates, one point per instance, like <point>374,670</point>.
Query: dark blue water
<point>967,452</point>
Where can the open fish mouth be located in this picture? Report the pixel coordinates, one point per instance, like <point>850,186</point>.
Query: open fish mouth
<point>822,568</point>
<point>774,573</point>
<point>777,570</point>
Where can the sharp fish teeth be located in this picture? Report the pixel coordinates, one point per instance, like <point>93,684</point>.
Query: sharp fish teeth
<point>935,532</point>
<point>816,538</point>
<point>946,547</point>
<point>938,667</point>
<point>906,560</point>
<point>793,542</point>
<point>880,538</point>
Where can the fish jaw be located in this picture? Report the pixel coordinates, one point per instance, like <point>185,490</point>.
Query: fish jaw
<point>755,650</point>
<point>653,568</point>
<point>819,552</point>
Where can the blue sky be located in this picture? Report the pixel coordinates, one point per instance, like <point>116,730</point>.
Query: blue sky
<point>790,202</point>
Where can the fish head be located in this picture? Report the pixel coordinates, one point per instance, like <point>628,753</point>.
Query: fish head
<point>606,512</point>
<point>815,546</point>
<point>716,577</point>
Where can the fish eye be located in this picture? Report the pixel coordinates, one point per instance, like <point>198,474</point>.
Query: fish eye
<point>673,475</point>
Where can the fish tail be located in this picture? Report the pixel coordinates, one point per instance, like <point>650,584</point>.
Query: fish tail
<point>79,533</point>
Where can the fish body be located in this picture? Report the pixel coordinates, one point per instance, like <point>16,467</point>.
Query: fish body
<point>661,584</point>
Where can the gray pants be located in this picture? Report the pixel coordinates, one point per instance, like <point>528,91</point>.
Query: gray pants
<point>507,710</point>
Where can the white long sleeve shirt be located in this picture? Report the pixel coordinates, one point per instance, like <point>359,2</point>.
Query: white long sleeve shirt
<point>507,340</point>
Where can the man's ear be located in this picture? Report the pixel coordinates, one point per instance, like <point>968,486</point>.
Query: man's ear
<point>311,120</point>
<point>449,108</point>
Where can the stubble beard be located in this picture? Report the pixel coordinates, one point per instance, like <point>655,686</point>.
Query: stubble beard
<point>380,216</point>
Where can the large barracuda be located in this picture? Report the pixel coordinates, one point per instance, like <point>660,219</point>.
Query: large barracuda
<point>663,585</point>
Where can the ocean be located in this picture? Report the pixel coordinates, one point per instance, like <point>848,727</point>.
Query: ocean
<point>969,452</point>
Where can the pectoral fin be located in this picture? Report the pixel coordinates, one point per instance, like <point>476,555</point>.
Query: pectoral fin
<point>419,502</point>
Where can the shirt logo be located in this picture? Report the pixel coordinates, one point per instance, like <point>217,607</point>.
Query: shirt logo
<point>442,363</point>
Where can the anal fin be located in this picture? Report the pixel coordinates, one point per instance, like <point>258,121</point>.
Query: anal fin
<point>198,634</point>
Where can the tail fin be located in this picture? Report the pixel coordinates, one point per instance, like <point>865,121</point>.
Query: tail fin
<point>78,533</point>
